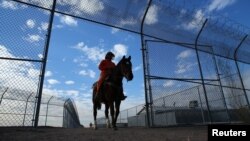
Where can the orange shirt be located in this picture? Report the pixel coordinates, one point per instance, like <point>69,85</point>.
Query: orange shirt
<point>106,65</point>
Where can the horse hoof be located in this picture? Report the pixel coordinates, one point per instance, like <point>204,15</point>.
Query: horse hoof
<point>115,128</point>
<point>108,126</point>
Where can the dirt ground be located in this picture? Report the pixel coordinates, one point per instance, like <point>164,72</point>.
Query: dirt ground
<point>192,133</point>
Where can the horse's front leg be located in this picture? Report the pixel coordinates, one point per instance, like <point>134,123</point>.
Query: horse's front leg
<point>112,112</point>
<point>107,116</point>
<point>117,110</point>
<point>95,114</point>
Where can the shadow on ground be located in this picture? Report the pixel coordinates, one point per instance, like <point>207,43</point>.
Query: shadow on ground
<point>190,133</point>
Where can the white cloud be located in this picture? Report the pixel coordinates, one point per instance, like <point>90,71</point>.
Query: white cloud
<point>48,74</point>
<point>58,26</point>
<point>96,53</point>
<point>17,74</point>
<point>4,52</point>
<point>87,6</point>
<point>124,22</point>
<point>89,73</point>
<point>119,50</point>
<point>184,63</point>
<point>198,17</point>
<point>70,82</point>
<point>9,4</point>
<point>46,4</point>
<point>33,73</point>
<point>184,54</point>
<point>40,56</point>
<point>92,53</point>
<point>72,92</point>
<point>53,81</point>
<point>137,67</point>
<point>152,15</point>
<point>219,4</point>
<point>44,26</point>
<point>168,83</point>
<point>196,22</point>
<point>68,20</point>
<point>33,38</point>
<point>30,23</point>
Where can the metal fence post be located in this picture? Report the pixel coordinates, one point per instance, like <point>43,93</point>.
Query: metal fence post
<point>3,95</point>
<point>221,88</point>
<point>202,112</point>
<point>238,69</point>
<point>201,73</point>
<point>44,63</point>
<point>47,110</point>
<point>144,62</point>
<point>26,107</point>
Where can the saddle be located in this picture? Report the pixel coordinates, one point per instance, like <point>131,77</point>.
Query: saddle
<point>100,95</point>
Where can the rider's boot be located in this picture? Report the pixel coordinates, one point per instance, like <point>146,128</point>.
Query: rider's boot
<point>122,96</point>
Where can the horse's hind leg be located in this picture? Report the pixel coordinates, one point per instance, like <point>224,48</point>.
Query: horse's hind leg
<point>107,116</point>
<point>95,114</point>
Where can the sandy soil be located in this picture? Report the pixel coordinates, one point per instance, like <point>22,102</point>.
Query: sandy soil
<point>195,133</point>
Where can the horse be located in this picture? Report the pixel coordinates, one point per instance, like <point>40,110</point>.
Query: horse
<point>110,92</point>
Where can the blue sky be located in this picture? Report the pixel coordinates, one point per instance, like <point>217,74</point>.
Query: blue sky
<point>77,46</point>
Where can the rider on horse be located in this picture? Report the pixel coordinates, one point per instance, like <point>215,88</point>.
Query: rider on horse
<point>106,67</point>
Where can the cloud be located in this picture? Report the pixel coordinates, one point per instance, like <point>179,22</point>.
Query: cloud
<point>44,26</point>
<point>40,56</point>
<point>48,74</point>
<point>9,5</point>
<point>47,4</point>
<point>92,53</point>
<point>70,21</point>
<point>195,23</point>
<point>119,50</point>
<point>33,73</point>
<point>199,15</point>
<point>137,67</point>
<point>184,63</point>
<point>219,4</point>
<point>4,52</point>
<point>61,93</point>
<point>124,22</point>
<point>72,92</point>
<point>152,15</point>
<point>33,38</point>
<point>30,23</point>
<point>53,81</point>
<point>96,53</point>
<point>14,74</point>
<point>184,54</point>
<point>89,73</point>
<point>168,83</point>
<point>87,6</point>
<point>70,82</point>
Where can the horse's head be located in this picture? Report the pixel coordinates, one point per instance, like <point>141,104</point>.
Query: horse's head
<point>125,67</point>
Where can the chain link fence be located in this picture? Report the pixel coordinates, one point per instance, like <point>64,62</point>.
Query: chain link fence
<point>17,109</point>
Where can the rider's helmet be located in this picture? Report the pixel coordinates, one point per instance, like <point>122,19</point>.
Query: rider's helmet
<point>109,55</point>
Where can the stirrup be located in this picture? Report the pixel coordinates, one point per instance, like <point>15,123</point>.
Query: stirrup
<point>124,97</point>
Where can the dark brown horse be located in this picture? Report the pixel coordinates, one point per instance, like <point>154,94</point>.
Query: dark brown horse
<point>111,90</point>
